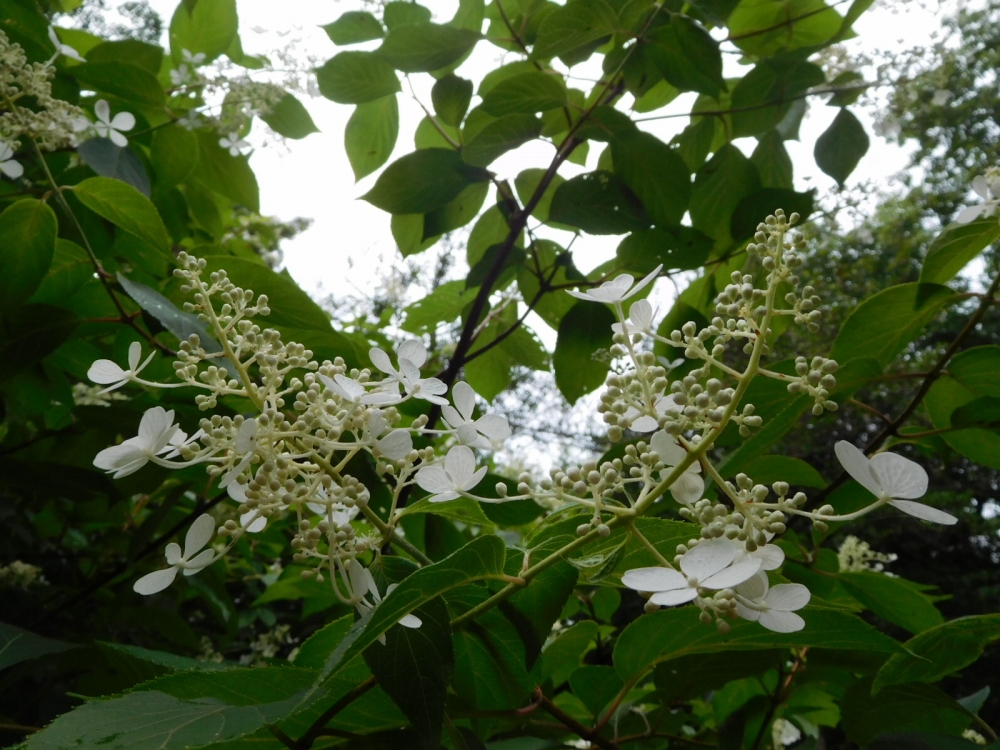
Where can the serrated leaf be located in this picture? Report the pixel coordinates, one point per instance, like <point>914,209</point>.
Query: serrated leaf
<point>423,181</point>
<point>17,645</point>
<point>527,93</point>
<point>443,305</point>
<point>687,56</point>
<point>719,186</point>
<point>451,96</point>
<point>370,135</point>
<point>598,203</point>
<point>681,248</point>
<point>574,25</point>
<point>356,77</point>
<point>500,136</point>
<point>126,207</point>
<point>841,146</point>
<point>423,47</point>
<point>655,173</point>
<point>353,27</point>
<point>893,599</point>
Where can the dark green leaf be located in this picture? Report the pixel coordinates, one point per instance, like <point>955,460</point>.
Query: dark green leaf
<point>893,599</point>
<point>898,708</point>
<point>841,146</point>
<point>131,51</point>
<point>980,412</point>
<point>17,645</point>
<point>947,396</point>
<point>527,93</point>
<point>451,96</point>
<point>778,83</point>
<point>770,469</point>
<point>71,268</point>
<point>356,77</point>
<point>353,27</point>
<point>499,137</point>
<point>772,162</point>
<point>404,13</point>
<point>533,609</point>
<point>108,160</point>
<point>754,208</point>
<point>423,47</point>
<point>126,207</point>
<point>584,334</point>
<point>955,246</point>
<point>31,333</point>
<point>290,118</point>
<point>563,655</point>
<point>27,244</point>
<point>919,741</point>
<point>174,155</point>
<point>423,181</point>
<point>209,27</point>
<point>680,248</point>
<point>595,685</point>
<point>129,82</point>
<point>598,203</point>
<point>458,212</point>
<point>719,186</point>
<point>527,183</point>
<point>687,56</point>
<point>655,173</point>
<point>370,135</point>
<point>227,175</point>
<point>574,25</point>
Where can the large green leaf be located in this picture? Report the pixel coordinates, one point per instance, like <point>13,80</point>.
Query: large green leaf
<point>457,212</point>
<point>655,173</point>
<point>671,633</point>
<point>423,181</point>
<point>955,246</point>
<point>764,27</point>
<point>109,160</point>
<point>31,333</point>
<point>598,203</point>
<point>370,135</point>
<point>451,96</point>
<point>500,136</point>
<point>899,708</point>
<point>423,47</point>
<point>893,599</point>
<point>17,645</point>
<point>949,396</point>
<point>174,153</point>
<point>27,244</point>
<point>527,93</point>
<point>574,25</point>
<point>841,146</point>
<point>563,654</point>
<point>225,174</point>
<point>681,248</point>
<point>290,118</point>
<point>356,77</point>
<point>442,305</point>
<point>778,84</point>
<point>353,27</point>
<point>125,81</point>
<point>126,207</point>
<point>207,26</point>
<point>71,268</point>
<point>752,209</point>
<point>584,332</point>
<point>687,56</point>
<point>719,186</point>
<point>772,162</point>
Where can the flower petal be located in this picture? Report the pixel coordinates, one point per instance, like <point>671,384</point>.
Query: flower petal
<point>708,558</point>
<point>787,597</point>
<point>413,350</point>
<point>688,488</point>
<point>12,169</point>
<point>410,621</point>
<point>981,186</point>
<point>465,399</point>
<point>653,579</point>
<point>673,598</point>
<point>475,479</point>
<point>754,588</point>
<point>746,613</point>
<point>396,444</point>
<point>173,553</point>
<point>648,279</point>
<point>123,121</point>
<point>641,313</point>
<point>970,213</point>
<point>900,477</point>
<point>782,622</point>
<point>444,497</point>
<point>734,575</point>
<point>468,434</point>
<point>669,450</point>
<point>199,562</point>
<point>117,138</point>
<point>460,463</point>
<point>134,355</point>
<point>381,360</point>
<point>154,582</point>
<point>857,465</point>
<point>771,556</point>
<point>201,531</point>
<point>924,512</point>
<point>246,438</point>
<point>493,426</point>
<point>255,525</point>
<point>103,111</point>
<point>435,479</point>
<point>645,423</point>
<point>104,371</point>
<point>118,457</point>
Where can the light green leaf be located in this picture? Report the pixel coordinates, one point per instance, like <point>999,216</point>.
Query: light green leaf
<point>227,175</point>
<point>131,51</point>
<point>290,118</point>
<point>764,27</point>
<point>687,56</point>
<point>955,246</point>
<point>442,305</point>
<point>978,369</point>
<point>451,96</point>
<point>528,93</point>
<point>574,25</point>
<point>423,181</point>
<point>423,47</point>
<point>174,153</point>
<point>370,135</point>
<point>655,173</point>
<point>353,27</point>
<point>71,268</point>
<point>584,333</point>
<point>126,207</point>
<point>770,469</point>
<point>356,77</point>
<point>27,244</point>
<point>463,509</point>
<point>841,146</point>
<point>209,27</point>
<point>499,137</point>
<point>489,372</point>
<point>128,82</point>
<point>598,203</point>
<point>404,13</point>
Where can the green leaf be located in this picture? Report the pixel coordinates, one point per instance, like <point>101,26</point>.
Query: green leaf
<point>174,152</point>
<point>227,175</point>
<point>598,203</point>
<point>772,162</point>
<point>126,207</point>
<point>668,634</point>
<point>896,708</point>
<point>451,96</point>
<point>132,51</point>
<point>681,248</point>
<point>754,208</point>
<point>574,25</point>
<point>370,135</point>
<point>458,212</point>
<point>290,118</point>
<point>208,27</point>
<point>171,662</point>
<point>499,137</point>
<point>948,396</point>
<point>423,47</point>
<point>463,509</point>
<point>443,305</point>
<point>764,27</point>
<point>980,412</point>
<point>955,246</point>
<point>893,599</point>
<point>423,181</point>
<point>585,331</point>
<point>356,77</point>
<point>595,685</point>
<point>719,186</point>
<point>27,244</point>
<point>527,93</point>
<point>695,142</point>
<point>128,82</point>
<point>71,268</point>
<point>480,559</point>
<point>655,173</point>
<point>17,645</point>
<point>919,741</point>
<point>108,160</point>
<point>489,372</point>
<point>353,27</point>
<point>841,146</point>
<point>779,84</point>
<point>978,369</point>
<point>687,56</point>
<point>528,181</point>
<point>404,13</point>
<point>31,333</point>
<point>882,325</point>
<point>563,655</point>
<point>415,666</point>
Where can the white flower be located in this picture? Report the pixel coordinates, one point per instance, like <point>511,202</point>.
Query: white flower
<point>105,372</point>
<point>411,355</point>
<point>941,97</point>
<point>8,166</point>
<point>458,475</point>
<point>771,556</point>
<point>484,432</point>
<point>640,318</point>
<point>617,290</point>
<point>107,127</point>
<point>987,187</point>
<point>234,143</point>
<point>345,387</point>
<point>190,120</point>
<point>783,733</point>
<point>362,583</point>
<point>245,445</point>
<point>180,76</point>
<point>63,49</point>
<point>893,479</point>
<point>192,60</point>
<point>710,565</point>
<point>689,486</point>
<point>640,422</point>
<point>394,446</point>
<point>337,513</point>
<point>156,430</point>
<point>774,608</point>
<point>190,562</point>
<point>253,520</point>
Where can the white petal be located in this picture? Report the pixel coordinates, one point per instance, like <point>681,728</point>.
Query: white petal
<point>121,459</point>
<point>351,388</point>
<point>450,415</point>
<point>53,38</point>
<point>104,371</point>
<point>201,531</point>
<point>318,508</point>
<point>230,476</point>
<point>381,360</point>
<point>117,138</point>
<point>493,426</point>
<point>754,588</point>
<point>246,438</point>
<point>12,169</point>
<point>103,111</point>
<point>410,372</point>
<point>746,613</point>
<point>153,425</point>
<point>460,463</point>
<point>971,213</point>
<point>673,598</point>
<point>647,280</point>
<point>708,558</point>
<point>464,398</point>
<point>782,622</point>
<point>257,524</point>
<point>981,186</point>
<point>377,423</point>
<point>152,583</point>
<point>645,423</point>
<point>475,479</point>
<point>857,465</point>
<point>237,491</point>
<point>468,434</point>
<point>900,477</point>
<point>134,355</point>
<point>653,579</point>
<point>669,450</point>
<point>381,398</point>
<point>787,597</point>
<point>734,575</point>
<point>199,562</point>
<point>434,479</point>
<point>924,512</point>
<point>688,488</point>
<point>580,295</point>
<point>771,556</point>
<point>396,444</point>
<point>410,621</point>
<point>123,121</point>
<point>413,350</point>
<point>173,553</point>
<point>433,386</point>
<point>359,581</point>
<point>641,313</point>
<point>444,497</point>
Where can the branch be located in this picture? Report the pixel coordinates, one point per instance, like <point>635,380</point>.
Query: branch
<point>572,724</point>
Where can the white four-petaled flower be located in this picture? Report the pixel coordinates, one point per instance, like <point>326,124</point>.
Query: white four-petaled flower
<point>106,372</point>
<point>892,479</point>
<point>191,561</point>
<point>8,166</point>
<point>233,143</point>
<point>363,583</point>
<point>689,486</point>
<point>112,128</point>
<point>411,355</point>
<point>484,432</point>
<point>63,49</point>
<point>458,475</point>
<point>616,290</point>
<point>640,318</point>
<point>193,60</point>
<point>393,446</point>
<point>710,565</point>
<point>987,187</point>
<point>157,435</point>
<point>774,608</point>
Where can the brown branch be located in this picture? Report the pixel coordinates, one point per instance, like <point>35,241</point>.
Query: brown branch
<point>572,724</point>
